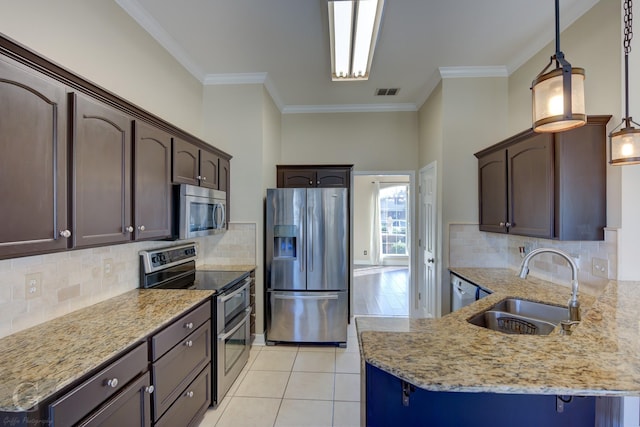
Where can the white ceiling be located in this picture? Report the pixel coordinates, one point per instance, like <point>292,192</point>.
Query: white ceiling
<point>285,45</point>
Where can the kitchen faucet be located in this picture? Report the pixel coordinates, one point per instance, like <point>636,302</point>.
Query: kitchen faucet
<point>574,304</point>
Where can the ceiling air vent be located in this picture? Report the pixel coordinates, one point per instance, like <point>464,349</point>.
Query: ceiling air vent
<point>387,92</point>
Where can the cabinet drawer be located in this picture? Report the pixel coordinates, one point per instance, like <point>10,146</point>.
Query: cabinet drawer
<point>179,330</point>
<point>177,368</point>
<point>191,404</point>
<point>80,401</point>
<point>131,407</point>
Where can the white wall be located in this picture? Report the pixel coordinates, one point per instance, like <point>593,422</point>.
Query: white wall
<point>99,41</point>
<point>369,141</point>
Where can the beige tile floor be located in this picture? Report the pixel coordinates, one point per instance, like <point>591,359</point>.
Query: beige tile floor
<point>297,386</point>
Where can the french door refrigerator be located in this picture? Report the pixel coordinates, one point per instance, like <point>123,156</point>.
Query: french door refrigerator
<point>307,265</point>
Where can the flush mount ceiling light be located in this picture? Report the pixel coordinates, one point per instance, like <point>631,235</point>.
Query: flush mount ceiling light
<point>353,32</point>
<point>558,95</point>
<point>624,144</point>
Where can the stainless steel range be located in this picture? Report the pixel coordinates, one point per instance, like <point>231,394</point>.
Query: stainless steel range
<point>175,268</point>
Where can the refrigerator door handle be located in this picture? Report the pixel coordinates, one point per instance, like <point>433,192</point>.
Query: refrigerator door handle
<point>301,256</point>
<point>310,215</point>
<point>309,297</point>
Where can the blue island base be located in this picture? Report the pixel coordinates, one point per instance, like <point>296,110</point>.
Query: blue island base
<point>385,407</point>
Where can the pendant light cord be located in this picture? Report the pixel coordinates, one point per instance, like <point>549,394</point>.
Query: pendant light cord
<point>628,35</point>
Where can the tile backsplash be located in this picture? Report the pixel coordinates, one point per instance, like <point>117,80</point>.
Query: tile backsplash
<point>39,288</point>
<point>469,247</point>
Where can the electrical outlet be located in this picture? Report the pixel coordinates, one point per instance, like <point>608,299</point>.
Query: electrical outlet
<point>600,267</point>
<point>365,252</point>
<point>107,266</point>
<point>33,285</point>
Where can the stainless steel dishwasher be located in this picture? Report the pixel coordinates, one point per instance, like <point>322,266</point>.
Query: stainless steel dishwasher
<point>464,292</point>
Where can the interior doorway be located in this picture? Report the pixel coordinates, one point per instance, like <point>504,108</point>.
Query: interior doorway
<point>382,243</point>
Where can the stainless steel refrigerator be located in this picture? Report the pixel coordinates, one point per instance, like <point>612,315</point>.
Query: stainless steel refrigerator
<point>307,282</point>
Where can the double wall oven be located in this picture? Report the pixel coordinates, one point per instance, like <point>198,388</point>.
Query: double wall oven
<point>175,268</point>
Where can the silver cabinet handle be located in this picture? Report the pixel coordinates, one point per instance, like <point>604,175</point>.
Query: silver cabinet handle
<point>307,297</point>
<point>310,182</point>
<point>505,224</point>
<point>204,178</point>
<point>113,383</point>
<point>199,176</point>
<point>141,228</point>
<point>149,389</point>
<point>431,260</point>
<point>188,343</point>
<point>129,229</point>
<point>65,233</point>
<point>188,325</point>
<point>189,394</point>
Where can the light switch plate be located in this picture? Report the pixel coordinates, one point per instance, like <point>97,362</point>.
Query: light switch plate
<point>600,267</point>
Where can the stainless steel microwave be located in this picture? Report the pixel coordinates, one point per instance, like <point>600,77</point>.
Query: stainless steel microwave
<point>200,211</point>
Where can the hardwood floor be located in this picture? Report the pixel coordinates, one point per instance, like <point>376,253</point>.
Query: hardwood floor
<point>381,291</point>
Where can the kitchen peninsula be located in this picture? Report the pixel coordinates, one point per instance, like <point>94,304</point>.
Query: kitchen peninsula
<point>600,357</point>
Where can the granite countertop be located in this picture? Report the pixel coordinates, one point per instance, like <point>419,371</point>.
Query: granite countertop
<point>232,267</point>
<point>37,362</point>
<point>601,357</point>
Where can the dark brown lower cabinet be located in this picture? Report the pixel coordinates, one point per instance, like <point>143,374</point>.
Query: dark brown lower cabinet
<point>88,397</point>
<point>130,408</point>
<point>190,406</point>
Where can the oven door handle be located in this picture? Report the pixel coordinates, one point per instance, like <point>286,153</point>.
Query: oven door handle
<point>236,292</point>
<point>238,326</point>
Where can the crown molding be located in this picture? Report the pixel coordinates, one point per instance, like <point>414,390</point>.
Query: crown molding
<point>347,108</point>
<point>475,71</point>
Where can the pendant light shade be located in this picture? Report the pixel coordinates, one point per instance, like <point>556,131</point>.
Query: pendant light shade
<point>549,110</point>
<point>624,144</point>
<point>558,95</point>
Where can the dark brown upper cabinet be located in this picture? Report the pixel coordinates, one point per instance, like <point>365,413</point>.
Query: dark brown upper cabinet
<point>33,163</point>
<point>101,173</point>
<point>310,176</point>
<point>151,182</point>
<point>546,185</point>
<point>195,166</point>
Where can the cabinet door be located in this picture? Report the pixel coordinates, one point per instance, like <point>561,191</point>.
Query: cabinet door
<point>152,182</point>
<point>208,169</point>
<point>296,178</point>
<point>224,183</point>
<point>101,174</point>
<point>33,167</point>
<point>224,177</point>
<point>492,192</point>
<point>132,407</point>
<point>530,186</point>
<point>332,178</point>
<point>186,163</point>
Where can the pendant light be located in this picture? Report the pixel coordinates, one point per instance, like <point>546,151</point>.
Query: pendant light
<point>624,144</point>
<point>558,95</point>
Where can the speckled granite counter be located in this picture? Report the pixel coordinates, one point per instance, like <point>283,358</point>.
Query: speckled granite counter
<point>52,355</point>
<point>234,267</point>
<point>601,357</point>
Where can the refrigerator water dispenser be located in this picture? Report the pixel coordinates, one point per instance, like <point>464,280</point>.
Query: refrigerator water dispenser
<point>284,241</point>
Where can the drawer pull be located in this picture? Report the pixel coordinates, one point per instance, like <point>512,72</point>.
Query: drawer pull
<point>188,343</point>
<point>189,394</point>
<point>150,389</point>
<point>189,325</point>
<point>113,383</point>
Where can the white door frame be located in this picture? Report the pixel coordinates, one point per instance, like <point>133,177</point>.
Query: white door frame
<point>429,306</point>
<point>413,294</point>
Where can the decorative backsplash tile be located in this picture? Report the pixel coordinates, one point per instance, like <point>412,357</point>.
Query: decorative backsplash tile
<point>469,247</point>
<point>67,281</point>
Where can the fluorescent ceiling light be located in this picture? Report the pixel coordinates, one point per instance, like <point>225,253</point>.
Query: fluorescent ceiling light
<point>353,31</point>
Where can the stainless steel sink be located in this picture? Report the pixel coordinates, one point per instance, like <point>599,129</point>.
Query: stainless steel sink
<point>516,316</point>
